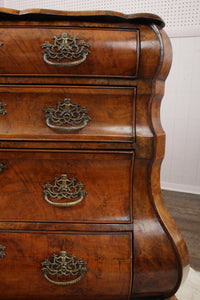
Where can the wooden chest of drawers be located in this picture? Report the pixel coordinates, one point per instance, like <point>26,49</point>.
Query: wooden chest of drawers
<point>81,144</point>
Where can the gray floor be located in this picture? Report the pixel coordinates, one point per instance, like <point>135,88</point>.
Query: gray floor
<point>185,209</point>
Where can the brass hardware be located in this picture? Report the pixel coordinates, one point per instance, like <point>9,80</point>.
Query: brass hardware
<point>64,188</point>
<point>63,265</point>
<point>67,114</point>
<point>2,166</point>
<point>2,253</point>
<point>2,108</point>
<point>67,48</point>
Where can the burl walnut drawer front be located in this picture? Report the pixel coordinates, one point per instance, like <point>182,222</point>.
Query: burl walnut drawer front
<point>61,265</point>
<point>85,186</point>
<point>65,51</point>
<point>67,113</point>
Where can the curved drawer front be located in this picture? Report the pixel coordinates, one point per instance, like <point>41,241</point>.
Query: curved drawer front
<point>66,186</point>
<point>90,52</point>
<point>101,264</point>
<point>67,113</point>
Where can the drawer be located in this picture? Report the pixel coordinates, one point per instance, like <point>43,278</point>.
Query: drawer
<point>69,51</point>
<point>93,266</point>
<point>87,186</point>
<point>67,113</point>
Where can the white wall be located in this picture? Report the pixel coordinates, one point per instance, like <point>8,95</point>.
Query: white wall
<point>180,115</point>
<point>180,112</point>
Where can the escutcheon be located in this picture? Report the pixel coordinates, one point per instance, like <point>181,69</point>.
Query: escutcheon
<point>63,266</point>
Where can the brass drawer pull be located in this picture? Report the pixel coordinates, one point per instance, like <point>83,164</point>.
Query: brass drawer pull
<point>67,48</point>
<point>63,265</point>
<point>2,166</point>
<point>64,188</point>
<point>2,253</point>
<point>68,114</point>
<point>2,108</point>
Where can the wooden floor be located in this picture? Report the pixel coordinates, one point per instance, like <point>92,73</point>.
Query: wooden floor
<point>185,209</point>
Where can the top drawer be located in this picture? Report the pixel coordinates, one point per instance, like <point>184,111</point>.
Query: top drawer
<point>69,51</point>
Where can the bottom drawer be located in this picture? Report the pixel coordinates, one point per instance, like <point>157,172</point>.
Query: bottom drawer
<point>58,265</point>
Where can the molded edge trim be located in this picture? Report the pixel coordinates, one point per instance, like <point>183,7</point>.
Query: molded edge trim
<point>143,17</point>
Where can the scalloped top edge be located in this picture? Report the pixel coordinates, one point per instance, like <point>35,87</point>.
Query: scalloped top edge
<point>145,17</point>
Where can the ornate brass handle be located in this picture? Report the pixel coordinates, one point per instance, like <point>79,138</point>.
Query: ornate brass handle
<point>67,114</point>
<point>2,167</point>
<point>64,188</point>
<point>66,64</point>
<point>2,108</point>
<point>63,265</point>
<point>2,253</point>
<point>65,48</point>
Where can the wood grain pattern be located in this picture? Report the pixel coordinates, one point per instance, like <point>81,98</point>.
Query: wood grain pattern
<point>153,251</point>
<point>112,113</point>
<point>107,263</point>
<point>107,178</point>
<point>21,52</point>
<point>149,190</point>
<point>161,210</point>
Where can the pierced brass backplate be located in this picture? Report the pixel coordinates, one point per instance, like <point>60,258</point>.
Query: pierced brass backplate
<point>66,49</point>
<point>2,167</point>
<point>2,108</point>
<point>63,266</point>
<point>64,188</point>
<point>67,116</point>
<point>2,252</point>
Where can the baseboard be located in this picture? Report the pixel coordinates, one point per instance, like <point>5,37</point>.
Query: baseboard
<point>180,187</point>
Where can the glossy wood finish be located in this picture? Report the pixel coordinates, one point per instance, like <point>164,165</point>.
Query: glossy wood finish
<point>153,256</point>
<point>131,73</point>
<point>107,179</point>
<point>107,263</point>
<point>163,229</point>
<point>112,113</point>
<point>21,52</point>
